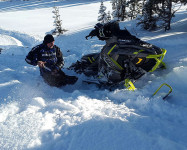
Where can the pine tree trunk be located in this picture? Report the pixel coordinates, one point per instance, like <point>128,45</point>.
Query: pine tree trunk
<point>169,15</point>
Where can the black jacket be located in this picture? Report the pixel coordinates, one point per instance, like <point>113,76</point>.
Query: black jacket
<point>53,57</point>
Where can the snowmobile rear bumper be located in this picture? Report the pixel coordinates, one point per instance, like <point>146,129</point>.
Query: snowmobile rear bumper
<point>159,59</point>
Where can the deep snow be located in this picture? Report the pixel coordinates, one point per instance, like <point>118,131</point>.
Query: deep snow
<point>83,117</point>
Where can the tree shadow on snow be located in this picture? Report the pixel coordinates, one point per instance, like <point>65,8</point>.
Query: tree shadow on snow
<point>26,5</point>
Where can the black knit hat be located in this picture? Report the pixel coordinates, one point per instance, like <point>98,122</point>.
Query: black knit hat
<point>48,39</point>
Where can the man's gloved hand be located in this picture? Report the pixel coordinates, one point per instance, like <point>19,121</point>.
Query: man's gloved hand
<point>41,64</point>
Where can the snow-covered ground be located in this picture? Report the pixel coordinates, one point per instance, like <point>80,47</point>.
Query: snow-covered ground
<point>34,115</point>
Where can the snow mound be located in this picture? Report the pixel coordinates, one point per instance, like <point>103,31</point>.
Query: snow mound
<point>7,40</point>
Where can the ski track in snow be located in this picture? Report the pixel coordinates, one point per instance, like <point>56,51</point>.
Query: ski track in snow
<point>36,116</point>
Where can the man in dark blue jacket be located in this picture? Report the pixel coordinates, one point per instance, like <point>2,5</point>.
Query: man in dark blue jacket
<point>49,58</point>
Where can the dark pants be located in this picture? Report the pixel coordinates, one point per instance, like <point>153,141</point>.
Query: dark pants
<point>58,79</point>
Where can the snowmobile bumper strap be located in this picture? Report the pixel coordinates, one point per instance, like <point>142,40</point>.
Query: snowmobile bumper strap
<point>159,59</point>
<point>161,87</point>
<point>129,85</point>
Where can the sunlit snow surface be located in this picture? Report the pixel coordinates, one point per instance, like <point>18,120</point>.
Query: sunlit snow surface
<point>34,115</point>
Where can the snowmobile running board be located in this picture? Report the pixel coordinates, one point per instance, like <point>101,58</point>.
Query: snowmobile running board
<point>161,87</point>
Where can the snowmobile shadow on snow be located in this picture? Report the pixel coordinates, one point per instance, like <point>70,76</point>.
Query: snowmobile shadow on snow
<point>122,61</point>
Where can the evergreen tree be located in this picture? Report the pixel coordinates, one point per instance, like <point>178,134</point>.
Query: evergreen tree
<point>167,11</point>
<point>102,18</point>
<point>135,8</point>
<point>57,22</point>
<point>114,8</point>
<point>158,13</point>
<point>108,16</point>
<point>0,50</point>
<point>119,9</point>
<point>150,15</point>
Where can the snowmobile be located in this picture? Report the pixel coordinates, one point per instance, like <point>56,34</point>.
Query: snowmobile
<point>123,59</point>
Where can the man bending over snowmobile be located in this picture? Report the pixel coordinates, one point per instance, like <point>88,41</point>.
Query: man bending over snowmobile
<point>49,58</point>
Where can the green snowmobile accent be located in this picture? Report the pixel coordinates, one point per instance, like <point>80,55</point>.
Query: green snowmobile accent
<point>170,90</point>
<point>159,60</point>
<point>129,85</point>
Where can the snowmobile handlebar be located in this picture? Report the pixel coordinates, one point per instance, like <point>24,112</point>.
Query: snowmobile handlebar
<point>92,34</point>
<point>88,37</point>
